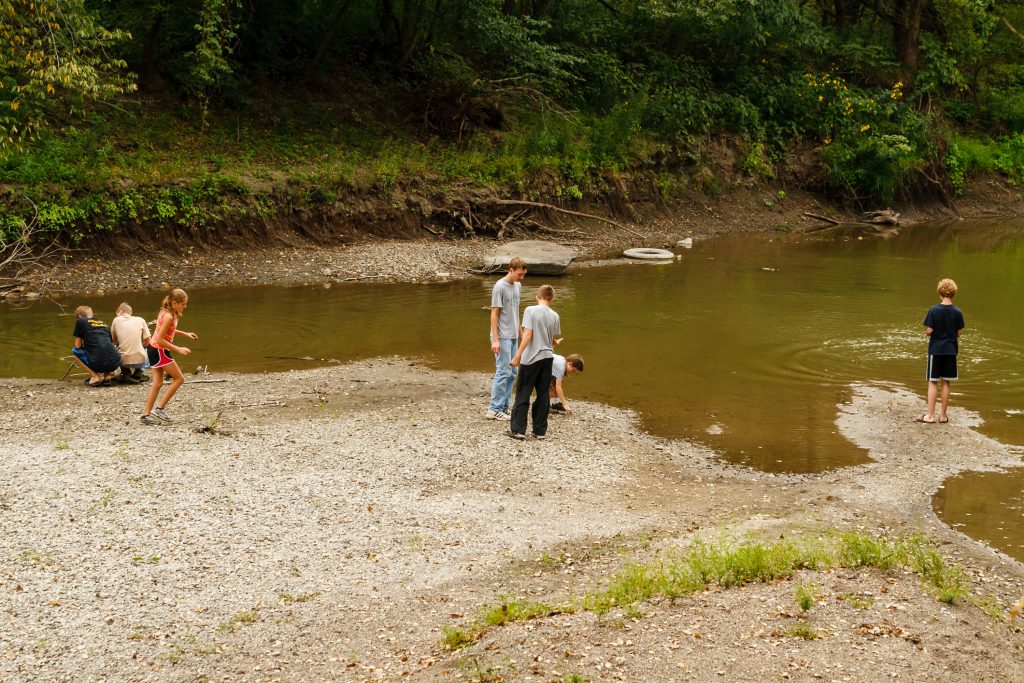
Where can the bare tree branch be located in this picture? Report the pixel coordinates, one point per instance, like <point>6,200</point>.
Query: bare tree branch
<point>22,246</point>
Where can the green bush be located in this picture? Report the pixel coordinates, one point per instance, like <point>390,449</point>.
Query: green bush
<point>1010,158</point>
<point>873,166</point>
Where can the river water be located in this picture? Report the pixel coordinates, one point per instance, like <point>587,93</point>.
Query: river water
<point>745,344</point>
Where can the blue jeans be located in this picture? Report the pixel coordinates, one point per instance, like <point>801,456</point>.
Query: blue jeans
<point>504,375</point>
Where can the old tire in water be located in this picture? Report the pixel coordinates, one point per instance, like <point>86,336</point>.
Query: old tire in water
<point>649,254</point>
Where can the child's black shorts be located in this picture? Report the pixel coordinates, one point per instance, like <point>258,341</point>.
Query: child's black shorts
<point>942,367</point>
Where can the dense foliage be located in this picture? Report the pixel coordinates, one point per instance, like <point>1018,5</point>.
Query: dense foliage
<point>888,97</point>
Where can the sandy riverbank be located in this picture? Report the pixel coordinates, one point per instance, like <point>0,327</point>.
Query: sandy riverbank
<point>327,524</point>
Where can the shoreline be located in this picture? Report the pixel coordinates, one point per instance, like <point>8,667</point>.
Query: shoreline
<point>289,259</point>
<point>328,524</point>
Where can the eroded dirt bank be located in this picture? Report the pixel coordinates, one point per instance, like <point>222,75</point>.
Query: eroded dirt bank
<point>391,238</point>
<point>327,524</point>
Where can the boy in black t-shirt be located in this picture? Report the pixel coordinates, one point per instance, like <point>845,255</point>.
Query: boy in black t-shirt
<point>943,324</point>
<point>94,348</point>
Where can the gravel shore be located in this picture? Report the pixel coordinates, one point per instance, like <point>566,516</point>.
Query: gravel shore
<point>327,524</point>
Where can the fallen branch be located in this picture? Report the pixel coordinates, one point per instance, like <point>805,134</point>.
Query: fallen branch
<point>204,381</point>
<point>260,404</point>
<point>552,207</point>
<point>541,226</point>
<point>363,277</point>
<point>67,372</point>
<point>833,221</point>
<point>431,230</point>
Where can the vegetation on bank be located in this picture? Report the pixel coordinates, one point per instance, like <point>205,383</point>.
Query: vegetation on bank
<point>728,564</point>
<point>112,113</point>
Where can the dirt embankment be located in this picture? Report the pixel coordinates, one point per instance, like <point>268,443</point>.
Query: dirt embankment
<point>419,232</point>
<point>328,524</point>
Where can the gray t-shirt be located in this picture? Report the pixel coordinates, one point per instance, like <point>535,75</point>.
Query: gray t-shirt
<point>505,295</point>
<point>545,324</point>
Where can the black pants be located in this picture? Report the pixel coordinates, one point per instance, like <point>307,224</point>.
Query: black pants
<point>535,376</point>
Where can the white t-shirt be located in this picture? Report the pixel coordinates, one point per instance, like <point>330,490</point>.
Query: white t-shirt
<point>127,332</point>
<point>558,367</point>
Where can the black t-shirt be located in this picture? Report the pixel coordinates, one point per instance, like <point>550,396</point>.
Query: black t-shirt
<point>945,320</point>
<point>95,336</point>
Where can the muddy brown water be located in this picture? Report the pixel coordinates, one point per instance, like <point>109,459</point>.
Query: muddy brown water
<point>745,344</point>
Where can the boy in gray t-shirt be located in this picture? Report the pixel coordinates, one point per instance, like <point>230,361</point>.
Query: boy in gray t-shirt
<point>505,336</point>
<point>541,325</point>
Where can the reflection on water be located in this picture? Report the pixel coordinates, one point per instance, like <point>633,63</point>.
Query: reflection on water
<point>747,344</point>
<point>988,506</point>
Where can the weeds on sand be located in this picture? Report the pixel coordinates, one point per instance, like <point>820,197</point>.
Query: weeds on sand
<point>288,598</point>
<point>857,600</point>
<point>806,595</point>
<point>728,563</point>
<point>239,620</point>
<point>800,630</point>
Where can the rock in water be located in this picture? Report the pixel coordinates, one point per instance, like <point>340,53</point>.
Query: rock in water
<point>542,258</point>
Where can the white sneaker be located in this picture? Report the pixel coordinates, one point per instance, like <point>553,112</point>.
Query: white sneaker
<point>491,415</point>
<point>162,414</point>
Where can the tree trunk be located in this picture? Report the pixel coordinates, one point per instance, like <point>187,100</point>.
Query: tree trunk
<point>906,35</point>
<point>148,66</point>
<point>332,29</point>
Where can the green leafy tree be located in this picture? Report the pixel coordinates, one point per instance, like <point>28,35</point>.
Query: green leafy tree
<point>54,61</point>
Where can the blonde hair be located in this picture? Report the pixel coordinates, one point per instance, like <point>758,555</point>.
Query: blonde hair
<point>546,292</point>
<point>175,296</point>
<point>947,288</point>
<point>83,312</point>
<point>124,308</point>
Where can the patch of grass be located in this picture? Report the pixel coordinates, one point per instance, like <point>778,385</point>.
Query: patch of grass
<point>861,550</point>
<point>35,557</point>
<point>143,632</point>
<point>508,609</point>
<point>575,678</point>
<point>288,598</point>
<point>105,501</point>
<point>731,563</point>
<point>806,595</point>
<point>140,559</point>
<point>512,609</point>
<point>549,561</point>
<point>241,619</point>
<point>858,601</point>
<point>800,630</point>
<point>190,645</point>
<point>989,605</point>
<point>61,445</point>
<point>455,637</point>
<point>483,672</point>
<point>949,582</point>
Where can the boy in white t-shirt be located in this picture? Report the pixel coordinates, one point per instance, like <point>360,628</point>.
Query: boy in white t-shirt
<point>130,334</point>
<point>562,367</point>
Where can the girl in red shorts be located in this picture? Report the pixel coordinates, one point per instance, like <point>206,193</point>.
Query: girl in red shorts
<point>161,345</point>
